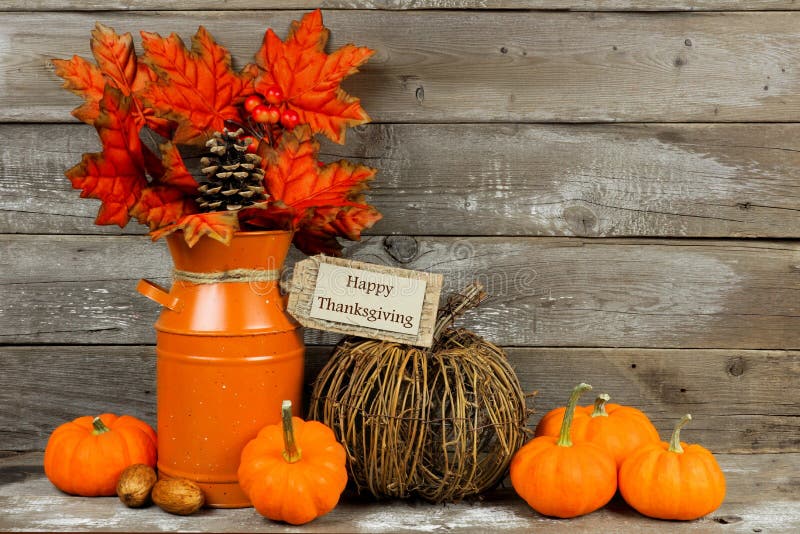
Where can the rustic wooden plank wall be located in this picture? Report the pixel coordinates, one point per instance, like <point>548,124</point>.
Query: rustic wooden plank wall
<point>624,178</point>
<point>492,66</point>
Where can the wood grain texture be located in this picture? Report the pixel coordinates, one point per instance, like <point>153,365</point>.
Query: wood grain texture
<point>547,291</point>
<point>760,498</point>
<point>569,5</point>
<point>465,66</point>
<point>687,180</point>
<point>741,401</point>
<point>75,338</point>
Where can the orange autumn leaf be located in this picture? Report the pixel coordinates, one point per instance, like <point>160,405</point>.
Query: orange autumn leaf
<point>196,88</point>
<point>311,242</point>
<point>171,193</point>
<point>324,202</point>
<point>117,66</point>
<point>160,206</point>
<point>339,183</point>
<point>184,96</point>
<point>351,220</point>
<point>219,225</point>
<point>175,172</point>
<point>116,176</point>
<point>310,79</point>
<point>291,170</point>
<point>272,215</point>
<point>294,177</point>
<point>320,231</point>
<point>85,80</point>
<point>116,58</point>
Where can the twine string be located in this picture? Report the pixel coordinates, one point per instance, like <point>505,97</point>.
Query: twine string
<point>233,275</point>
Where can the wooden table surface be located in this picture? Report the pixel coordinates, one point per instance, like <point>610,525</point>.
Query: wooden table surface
<point>763,496</point>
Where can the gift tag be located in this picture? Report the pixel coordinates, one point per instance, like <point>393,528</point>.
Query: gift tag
<point>364,299</point>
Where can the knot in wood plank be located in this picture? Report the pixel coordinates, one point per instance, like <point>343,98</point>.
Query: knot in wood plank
<point>736,366</point>
<point>581,220</point>
<point>401,248</point>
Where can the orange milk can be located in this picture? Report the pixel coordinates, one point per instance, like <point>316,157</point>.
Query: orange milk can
<point>228,354</point>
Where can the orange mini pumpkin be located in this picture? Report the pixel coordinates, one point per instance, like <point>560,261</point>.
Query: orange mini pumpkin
<point>557,477</point>
<point>618,429</point>
<point>672,480</point>
<point>86,456</point>
<point>294,471</point>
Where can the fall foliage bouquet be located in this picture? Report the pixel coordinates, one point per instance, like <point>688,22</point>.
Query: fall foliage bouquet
<point>250,133</point>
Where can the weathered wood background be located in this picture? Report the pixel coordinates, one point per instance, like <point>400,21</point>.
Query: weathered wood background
<point>624,176</point>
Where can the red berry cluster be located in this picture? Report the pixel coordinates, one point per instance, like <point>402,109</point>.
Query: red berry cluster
<point>271,114</point>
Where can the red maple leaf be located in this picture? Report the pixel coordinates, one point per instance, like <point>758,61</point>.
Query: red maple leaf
<point>171,192</point>
<point>116,59</point>
<point>160,206</point>
<point>117,66</point>
<point>272,215</point>
<point>116,176</point>
<point>324,202</point>
<point>319,233</point>
<point>175,172</point>
<point>219,225</point>
<point>85,80</point>
<point>197,88</point>
<point>351,220</point>
<point>185,96</point>
<point>309,78</point>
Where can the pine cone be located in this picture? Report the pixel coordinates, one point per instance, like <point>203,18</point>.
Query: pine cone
<point>234,179</point>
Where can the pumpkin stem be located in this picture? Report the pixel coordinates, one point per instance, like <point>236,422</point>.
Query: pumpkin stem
<point>99,426</point>
<point>457,304</point>
<point>675,440</point>
<point>564,439</point>
<point>600,405</point>
<point>290,451</point>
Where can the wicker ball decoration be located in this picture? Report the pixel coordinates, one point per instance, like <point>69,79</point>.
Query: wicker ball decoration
<point>439,423</point>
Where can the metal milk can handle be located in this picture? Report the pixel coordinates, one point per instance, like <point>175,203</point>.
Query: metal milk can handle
<point>160,295</point>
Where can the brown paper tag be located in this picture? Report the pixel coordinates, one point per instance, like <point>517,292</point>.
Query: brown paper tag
<point>364,299</point>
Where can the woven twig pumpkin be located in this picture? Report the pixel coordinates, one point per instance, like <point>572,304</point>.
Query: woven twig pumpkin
<point>441,424</point>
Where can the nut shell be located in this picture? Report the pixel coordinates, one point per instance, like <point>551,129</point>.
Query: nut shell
<point>178,496</point>
<point>135,484</point>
